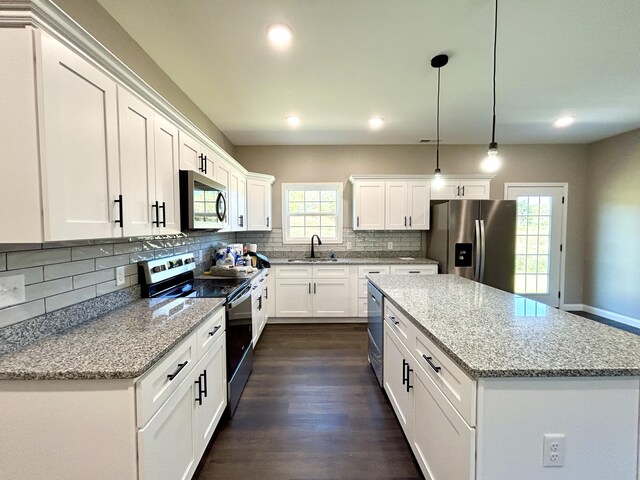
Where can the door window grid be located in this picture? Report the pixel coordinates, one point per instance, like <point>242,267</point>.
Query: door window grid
<point>533,237</point>
<point>312,209</point>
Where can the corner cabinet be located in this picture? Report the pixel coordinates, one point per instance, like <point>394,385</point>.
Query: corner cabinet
<point>259,216</point>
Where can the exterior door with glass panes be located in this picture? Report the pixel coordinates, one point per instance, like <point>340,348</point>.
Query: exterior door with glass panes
<point>539,226</point>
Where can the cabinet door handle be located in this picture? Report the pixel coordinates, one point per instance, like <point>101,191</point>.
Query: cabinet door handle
<point>241,221</point>
<point>213,332</point>
<point>173,375</point>
<point>431,364</point>
<point>154,207</point>
<point>357,221</point>
<point>414,271</point>
<point>204,377</point>
<point>463,190</point>
<point>260,303</point>
<point>120,211</point>
<point>458,190</point>
<point>405,221</point>
<point>314,288</point>
<point>266,293</point>
<point>199,397</point>
<point>267,222</point>
<point>202,162</point>
<point>409,370</point>
<point>409,220</point>
<point>393,319</point>
<point>374,271</point>
<point>309,288</point>
<point>404,371</point>
<point>163,207</point>
<point>205,164</point>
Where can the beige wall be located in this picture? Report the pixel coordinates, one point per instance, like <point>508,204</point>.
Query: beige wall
<point>96,20</point>
<point>612,233</point>
<point>523,163</point>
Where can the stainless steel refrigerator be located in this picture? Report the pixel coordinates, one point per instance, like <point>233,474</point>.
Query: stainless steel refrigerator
<point>475,239</point>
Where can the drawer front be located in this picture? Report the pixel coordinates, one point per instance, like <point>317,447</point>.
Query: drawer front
<point>331,271</point>
<point>372,270</point>
<point>297,271</point>
<point>363,307</point>
<point>210,331</point>
<point>155,386</point>
<point>398,323</point>
<point>362,288</point>
<point>414,269</point>
<point>458,387</point>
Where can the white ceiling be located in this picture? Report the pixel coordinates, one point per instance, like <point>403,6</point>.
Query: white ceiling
<point>352,59</point>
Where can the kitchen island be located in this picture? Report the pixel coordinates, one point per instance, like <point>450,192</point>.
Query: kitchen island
<point>518,389</point>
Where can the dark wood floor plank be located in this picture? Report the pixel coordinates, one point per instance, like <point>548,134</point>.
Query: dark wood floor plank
<point>312,410</point>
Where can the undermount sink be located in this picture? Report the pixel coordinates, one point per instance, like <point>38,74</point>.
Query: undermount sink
<point>307,260</point>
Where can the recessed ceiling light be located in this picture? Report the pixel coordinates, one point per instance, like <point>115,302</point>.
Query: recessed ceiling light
<point>293,120</point>
<point>376,122</point>
<point>279,34</point>
<point>564,122</point>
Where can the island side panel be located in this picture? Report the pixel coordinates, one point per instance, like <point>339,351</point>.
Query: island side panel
<point>598,416</point>
<point>63,429</point>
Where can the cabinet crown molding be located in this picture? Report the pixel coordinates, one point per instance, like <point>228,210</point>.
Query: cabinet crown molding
<point>409,176</point>
<point>261,176</point>
<point>46,15</point>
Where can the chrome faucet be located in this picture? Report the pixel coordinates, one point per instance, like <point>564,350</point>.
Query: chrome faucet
<point>313,253</point>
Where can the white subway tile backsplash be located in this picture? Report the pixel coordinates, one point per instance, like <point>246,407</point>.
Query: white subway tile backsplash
<point>37,257</point>
<point>18,313</point>
<point>17,247</point>
<point>70,298</point>
<point>108,287</point>
<point>68,269</point>
<point>131,269</point>
<point>165,252</point>
<point>47,289</point>
<point>96,251</point>
<point>110,262</point>
<point>141,256</point>
<point>31,275</point>
<point>86,279</point>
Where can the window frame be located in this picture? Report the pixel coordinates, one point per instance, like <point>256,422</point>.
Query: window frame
<point>337,186</point>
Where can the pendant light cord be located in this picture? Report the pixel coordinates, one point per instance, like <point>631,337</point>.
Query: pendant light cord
<point>438,126</point>
<point>495,44</point>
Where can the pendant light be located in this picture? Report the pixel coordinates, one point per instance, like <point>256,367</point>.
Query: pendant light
<point>438,62</point>
<point>493,162</point>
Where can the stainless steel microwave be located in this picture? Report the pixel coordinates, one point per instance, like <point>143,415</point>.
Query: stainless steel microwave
<point>203,203</point>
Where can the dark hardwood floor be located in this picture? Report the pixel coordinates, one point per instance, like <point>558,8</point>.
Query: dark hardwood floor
<point>611,323</point>
<point>312,409</point>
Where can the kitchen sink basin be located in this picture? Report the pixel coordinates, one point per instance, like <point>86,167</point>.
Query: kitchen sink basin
<point>314,260</point>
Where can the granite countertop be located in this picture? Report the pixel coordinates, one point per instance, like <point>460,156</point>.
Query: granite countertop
<point>358,261</point>
<point>121,344</point>
<point>491,333</point>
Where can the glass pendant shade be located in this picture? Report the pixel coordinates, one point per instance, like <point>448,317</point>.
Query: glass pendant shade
<point>492,162</point>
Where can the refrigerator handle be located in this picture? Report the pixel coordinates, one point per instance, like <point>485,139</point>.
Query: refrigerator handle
<point>478,252</point>
<point>482,251</point>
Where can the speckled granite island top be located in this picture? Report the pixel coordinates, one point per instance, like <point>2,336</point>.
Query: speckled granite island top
<point>491,333</point>
<point>121,344</point>
<point>356,261</point>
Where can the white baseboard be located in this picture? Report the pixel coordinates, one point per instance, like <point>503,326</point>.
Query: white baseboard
<point>616,317</point>
<point>311,320</point>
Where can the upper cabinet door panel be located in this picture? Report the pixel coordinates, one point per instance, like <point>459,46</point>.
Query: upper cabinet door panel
<point>447,191</point>
<point>137,164</point>
<point>396,216</point>
<point>79,145</point>
<point>190,152</point>
<point>167,168</point>
<point>369,208</point>
<point>418,196</point>
<point>474,189</point>
<point>258,205</point>
<point>242,202</point>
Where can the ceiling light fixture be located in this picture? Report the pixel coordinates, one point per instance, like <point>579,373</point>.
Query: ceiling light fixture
<point>564,122</point>
<point>376,123</point>
<point>438,62</point>
<point>279,34</point>
<point>493,162</point>
<point>293,120</point>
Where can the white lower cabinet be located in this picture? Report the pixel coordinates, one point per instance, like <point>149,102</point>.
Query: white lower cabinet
<point>396,369</point>
<point>329,299</point>
<point>293,298</point>
<point>259,308</point>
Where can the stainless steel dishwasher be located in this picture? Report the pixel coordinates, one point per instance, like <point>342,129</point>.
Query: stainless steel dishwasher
<point>375,311</point>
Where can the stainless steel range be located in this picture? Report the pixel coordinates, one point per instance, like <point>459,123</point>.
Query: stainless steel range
<point>173,277</point>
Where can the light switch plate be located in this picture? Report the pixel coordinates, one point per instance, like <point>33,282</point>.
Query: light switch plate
<point>348,245</point>
<point>12,290</point>
<point>120,276</point>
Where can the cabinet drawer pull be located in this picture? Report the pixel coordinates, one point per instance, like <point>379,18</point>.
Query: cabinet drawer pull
<point>266,293</point>
<point>409,220</point>
<point>463,190</point>
<point>213,332</point>
<point>309,288</point>
<point>357,221</point>
<point>173,375</point>
<point>314,288</point>
<point>431,364</point>
<point>409,370</point>
<point>405,221</point>
<point>199,397</point>
<point>241,221</point>
<point>404,371</point>
<point>393,319</point>
<point>374,271</point>
<point>414,271</point>
<point>267,222</point>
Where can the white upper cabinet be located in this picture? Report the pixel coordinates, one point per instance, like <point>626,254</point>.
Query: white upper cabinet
<point>194,156</point>
<point>137,165</point>
<point>80,171</point>
<point>223,176</point>
<point>368,205</point>
<point>396,214</point>
<point>237,196</point>
<point>259,202</point>
<point>418,199</point>
<point>462,189</point>
<point>407,205</point>
<point>167,179</point>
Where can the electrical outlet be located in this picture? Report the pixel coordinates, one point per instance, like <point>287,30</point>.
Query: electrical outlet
<point>348,245</point>
<point>553,450</point>
<point>120,276</point>
<point>390,246</point>
<point>11,290</point>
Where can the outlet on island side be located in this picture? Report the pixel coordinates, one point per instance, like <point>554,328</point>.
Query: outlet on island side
<point>553,450</point>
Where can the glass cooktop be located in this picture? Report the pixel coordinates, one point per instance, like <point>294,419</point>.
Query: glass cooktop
<point>207,288</point>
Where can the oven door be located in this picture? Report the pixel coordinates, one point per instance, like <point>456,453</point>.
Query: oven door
<point>239,345</point>
<point>203,203</point>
